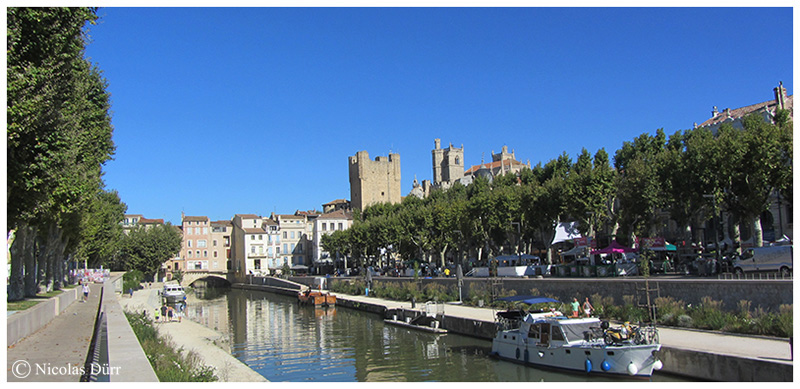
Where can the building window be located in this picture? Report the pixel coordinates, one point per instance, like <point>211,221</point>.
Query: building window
<point>291,234</point>
<point>340,226</point>
<point>261,237</point>
<point>285,235</point>
<point>188,243</point>
<point>198,253</point>
<point>201,243</point>
<point>252,249</point>
<point>257,264</point>
<point>205,253</point>
<point>214,242</point>
<point>205,230</point>
<point>215,254</point>
<point>324,227</point>
<point>189,253</point>
<point>284,247</point>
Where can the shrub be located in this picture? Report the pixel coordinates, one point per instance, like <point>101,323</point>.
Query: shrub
<point>685,321</point>
<point>709,315</point>
<point>170,364</point>
<point>131,280</point>
<point>784,320</point>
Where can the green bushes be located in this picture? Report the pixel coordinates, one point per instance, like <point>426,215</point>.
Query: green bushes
<point>706,315</point>
<point>131,280</point>
<point>169,364</point>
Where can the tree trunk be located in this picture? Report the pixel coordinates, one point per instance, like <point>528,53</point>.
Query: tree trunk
<point>30,256</point>
<point>45,245</point>
<point>20,249</point>
<point>737,237</point>
<point>758,232</point>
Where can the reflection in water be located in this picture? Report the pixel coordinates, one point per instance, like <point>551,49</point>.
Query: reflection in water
<point>286,342</point>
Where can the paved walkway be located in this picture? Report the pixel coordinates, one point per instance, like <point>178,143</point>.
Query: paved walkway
<point>56,352</point>
<point>210,345</point>
<point>771,349</point>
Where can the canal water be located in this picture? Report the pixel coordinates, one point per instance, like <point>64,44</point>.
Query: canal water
<point>286,342</point>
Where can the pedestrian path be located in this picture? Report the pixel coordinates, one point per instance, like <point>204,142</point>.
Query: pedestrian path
<point>57,352</point>
<point>193,336</point>
<point>771,349</point>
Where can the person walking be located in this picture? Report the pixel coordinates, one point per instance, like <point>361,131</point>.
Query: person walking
<point>85,291</point>
<point>157,315</point>
<point>587,308</point>
<point>169,313</point>
<point>164,313</point>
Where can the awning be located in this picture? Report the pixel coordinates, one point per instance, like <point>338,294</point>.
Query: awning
<point>614,247</point>
<point>566,231</point>
<point>528,299</point>
<point>299,267</point>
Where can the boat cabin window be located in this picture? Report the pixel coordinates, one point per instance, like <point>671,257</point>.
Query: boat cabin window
<point>544,337</point>
<point>533,332</point>
<point>557,334</point>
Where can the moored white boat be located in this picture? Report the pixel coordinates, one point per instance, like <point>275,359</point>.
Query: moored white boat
<point>173,293</point>
<point>550,339</point>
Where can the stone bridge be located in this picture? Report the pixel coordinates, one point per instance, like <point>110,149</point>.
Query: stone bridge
<point>212,277</point>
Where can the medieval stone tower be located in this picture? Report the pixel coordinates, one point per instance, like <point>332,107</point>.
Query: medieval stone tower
<point>448,164</point>
<point>373,182</point>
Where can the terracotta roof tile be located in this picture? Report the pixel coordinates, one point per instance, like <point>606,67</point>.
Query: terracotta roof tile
<point>195,218</point>
<point>254,231</point>
<point>340,214</point>
<point>738,113</point>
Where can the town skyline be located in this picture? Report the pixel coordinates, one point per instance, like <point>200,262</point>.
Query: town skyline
<point>260,110</point>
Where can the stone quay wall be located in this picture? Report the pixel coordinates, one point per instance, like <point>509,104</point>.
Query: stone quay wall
<point>767,294</point>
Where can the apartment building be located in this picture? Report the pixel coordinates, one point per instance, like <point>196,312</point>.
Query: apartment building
<point>295,239</point>
<point>221,231</point>
<point>195,250</point>
<point>325,224</point>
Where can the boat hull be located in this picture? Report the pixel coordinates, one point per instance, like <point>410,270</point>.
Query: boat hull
<point>594,358</point>
<point>317,299</point>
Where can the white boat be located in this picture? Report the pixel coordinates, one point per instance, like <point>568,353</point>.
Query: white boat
<point>552,340</point>
<point>173,293</point>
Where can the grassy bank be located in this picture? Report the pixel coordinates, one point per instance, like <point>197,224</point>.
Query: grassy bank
<point>171,364</point>
<point>706,315</point>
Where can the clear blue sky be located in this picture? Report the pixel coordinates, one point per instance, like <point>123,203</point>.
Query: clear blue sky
<point>219,111</point>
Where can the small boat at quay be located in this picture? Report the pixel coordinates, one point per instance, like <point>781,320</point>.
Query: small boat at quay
<point>590,345</point>
<point>173,293</point>
<point>316,298</point>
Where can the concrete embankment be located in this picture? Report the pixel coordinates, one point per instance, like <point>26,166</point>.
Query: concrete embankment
<point>695,354</point>
<point>211,346</point>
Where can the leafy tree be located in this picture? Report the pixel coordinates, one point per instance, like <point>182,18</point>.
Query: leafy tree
<point>58,137</point>
<point>101,230</point>
<point>758,162</point>
<point>147,248</point>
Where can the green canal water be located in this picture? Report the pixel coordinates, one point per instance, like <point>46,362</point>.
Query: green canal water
<point>286,342</point>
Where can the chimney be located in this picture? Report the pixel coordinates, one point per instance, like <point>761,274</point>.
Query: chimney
<point>728,112</point>
<point>714,112</point>
<point>780,96</point>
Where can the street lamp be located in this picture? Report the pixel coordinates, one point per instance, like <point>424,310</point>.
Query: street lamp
<point>519,240</point>
<point>459,272</point>
<point>716,233</point>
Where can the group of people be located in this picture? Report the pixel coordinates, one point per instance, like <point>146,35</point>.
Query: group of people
<point>168,313</point>
<point>587,308</point>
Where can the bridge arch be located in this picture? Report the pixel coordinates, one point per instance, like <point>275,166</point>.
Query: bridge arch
<point>209,279</point>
